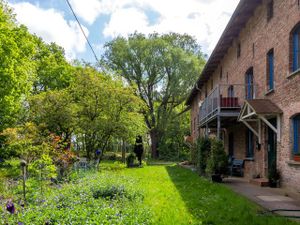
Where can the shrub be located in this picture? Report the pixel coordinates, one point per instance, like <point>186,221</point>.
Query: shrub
<point>130,160</point>
<point>217,160</point>
<point>203,147</point>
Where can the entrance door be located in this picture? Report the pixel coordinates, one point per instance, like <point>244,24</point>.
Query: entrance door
<point>231,145</point>
<point>249,84</point>
<point>272,146</point>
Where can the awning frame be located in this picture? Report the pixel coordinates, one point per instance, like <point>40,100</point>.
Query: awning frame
<point>248,114</point>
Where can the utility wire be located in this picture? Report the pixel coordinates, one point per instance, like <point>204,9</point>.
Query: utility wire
<point>70,6</point>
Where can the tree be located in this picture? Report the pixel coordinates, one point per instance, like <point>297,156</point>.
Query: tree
<point>162,67</point>
<point>55,109</point>
<point>105,109</point>
<point>52,69</point>
<point>17,70</point>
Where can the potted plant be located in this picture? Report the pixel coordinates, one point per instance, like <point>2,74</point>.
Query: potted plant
<point>274,176</point>
<point>130,160</point>
<point>217,161</point>
<point>297,157</point>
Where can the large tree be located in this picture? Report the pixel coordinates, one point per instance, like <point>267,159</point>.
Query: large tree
<point>162,67</point>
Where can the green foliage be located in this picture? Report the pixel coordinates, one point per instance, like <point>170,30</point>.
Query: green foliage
<point>52,68</point>
<point>25,142</point>
<point>105,109</point>
<point>172,145</point>
<point>104,198</point>
<point>203,149</point>
<point>217,161</point>
<point>56,110</point>
<point>16,67</point>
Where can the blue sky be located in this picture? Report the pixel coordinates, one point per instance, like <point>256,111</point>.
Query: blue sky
<point>104,20</point>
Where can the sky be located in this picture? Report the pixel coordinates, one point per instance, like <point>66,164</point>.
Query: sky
<point>103,20</point>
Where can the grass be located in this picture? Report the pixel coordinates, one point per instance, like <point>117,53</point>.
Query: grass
<point>179,196</point>
<point>158,194</point>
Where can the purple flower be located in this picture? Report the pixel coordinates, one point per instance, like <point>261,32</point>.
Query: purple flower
<point>20,223</point>
<point>10,207</point>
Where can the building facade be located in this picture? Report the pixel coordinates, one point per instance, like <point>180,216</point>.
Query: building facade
<point>248,94</point>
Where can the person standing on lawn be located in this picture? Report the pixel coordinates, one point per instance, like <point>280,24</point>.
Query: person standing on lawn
<point>138,148</point>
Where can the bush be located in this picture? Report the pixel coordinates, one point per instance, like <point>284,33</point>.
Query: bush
<point>203,147</point>
<point>217,161</point>
<point>130,160</point>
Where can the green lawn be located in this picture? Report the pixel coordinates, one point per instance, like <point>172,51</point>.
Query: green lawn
<point>150,195</point>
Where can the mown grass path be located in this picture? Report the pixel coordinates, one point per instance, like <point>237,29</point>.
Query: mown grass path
<point>179,196</point>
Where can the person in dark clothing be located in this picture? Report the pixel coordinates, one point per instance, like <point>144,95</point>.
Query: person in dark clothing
<point>138,148</point>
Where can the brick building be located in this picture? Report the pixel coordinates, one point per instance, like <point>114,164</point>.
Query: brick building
<point>249,91</point>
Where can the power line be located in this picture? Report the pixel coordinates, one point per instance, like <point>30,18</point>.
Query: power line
<point>82,30</point>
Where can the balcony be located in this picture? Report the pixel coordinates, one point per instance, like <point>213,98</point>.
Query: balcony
<point>225,101</point>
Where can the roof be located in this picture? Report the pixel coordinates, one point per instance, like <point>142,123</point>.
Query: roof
<point>240,17</point>
<point>264,106</point>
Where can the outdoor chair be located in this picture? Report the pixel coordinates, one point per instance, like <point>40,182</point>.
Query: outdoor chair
<point>237,167</point>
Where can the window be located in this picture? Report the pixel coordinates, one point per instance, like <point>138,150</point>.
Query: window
<point>230,91</point>
<point>212,84</point>
<point>249,144</point>
<point>238,50</point>
<point>270,9</point>
<point>249,83</point>
<point>295,43</point>
<point>296,134</point>
<point>270,70</point>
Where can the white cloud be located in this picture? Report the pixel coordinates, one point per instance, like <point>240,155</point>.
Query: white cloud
<point>125,21</point>
<point>201,18</point>
<point>52,27</point>
<point>89,10</point>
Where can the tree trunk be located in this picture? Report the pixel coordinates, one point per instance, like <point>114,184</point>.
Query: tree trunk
<point>154,143</point>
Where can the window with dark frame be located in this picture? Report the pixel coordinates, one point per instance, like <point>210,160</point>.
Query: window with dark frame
<point>295,43</point>
<point>296,134</point>
<point>270,70</point>
<point>270,10</point>
<point>221,72</point>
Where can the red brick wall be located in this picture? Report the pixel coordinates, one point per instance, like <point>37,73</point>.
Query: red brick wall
<point>264,36</point>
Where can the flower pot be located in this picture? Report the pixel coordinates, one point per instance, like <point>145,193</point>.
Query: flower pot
<point>297,158</point>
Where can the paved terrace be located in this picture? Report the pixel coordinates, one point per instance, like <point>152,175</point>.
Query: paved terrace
<point>272,199</point>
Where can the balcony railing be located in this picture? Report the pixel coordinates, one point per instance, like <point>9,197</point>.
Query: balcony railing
<point>225,98</point>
